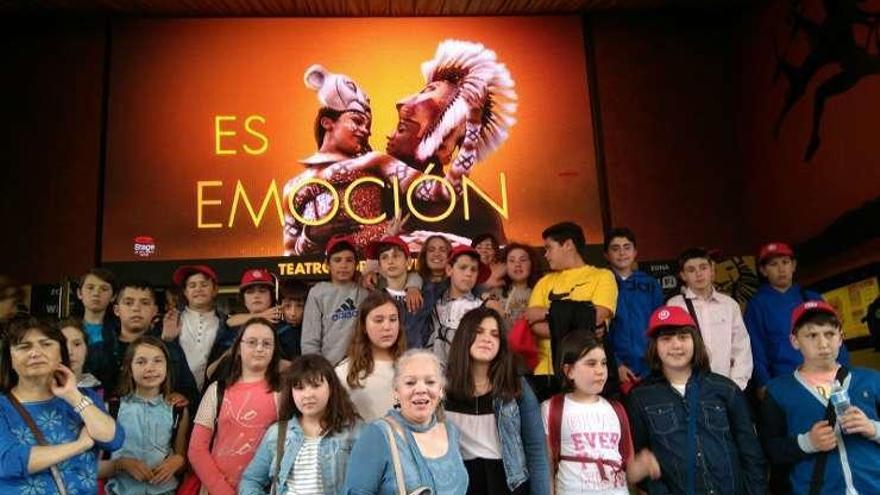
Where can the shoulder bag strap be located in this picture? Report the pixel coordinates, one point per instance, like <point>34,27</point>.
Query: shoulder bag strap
<point>818,476</point>
<point>41,440</point>
<point>554,426</point>
<point>691,310</point>
<point>395,455</point>
<point>626,446</point>
<point>279,453</point>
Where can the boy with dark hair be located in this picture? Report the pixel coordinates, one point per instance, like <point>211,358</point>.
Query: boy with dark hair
<point>717,315</point>
<point>199,328</point>
<point>332,307</point>
<point>823,418</point>
<point>571,280</point>
<point>293,302</point>
<point>638,295</point>
<point>392,255</point>
<point>465,271</point>
<point>136,308</point>
<point>768,315</point>
<point>95,291</point>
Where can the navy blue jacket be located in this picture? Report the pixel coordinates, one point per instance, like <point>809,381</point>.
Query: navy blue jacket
<point>637,297</point>
<point>708,433</point>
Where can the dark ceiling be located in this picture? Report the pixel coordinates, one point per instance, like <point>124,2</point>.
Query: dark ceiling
<point>337,8</point>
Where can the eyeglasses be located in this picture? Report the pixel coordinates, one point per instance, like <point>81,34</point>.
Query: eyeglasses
<point>254,343</point>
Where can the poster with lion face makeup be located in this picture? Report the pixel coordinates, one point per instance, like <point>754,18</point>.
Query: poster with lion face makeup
<point>262,138</point>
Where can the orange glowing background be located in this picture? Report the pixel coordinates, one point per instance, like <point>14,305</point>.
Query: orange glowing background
<point>170,78</point>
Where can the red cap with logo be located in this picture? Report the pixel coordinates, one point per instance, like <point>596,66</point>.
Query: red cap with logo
<point>669,316</point>
<point>393,240</point>
<point>336,240</point>
<point>184,272</point>
<point>811,307</point>
<point>257,276</point>
<point>772,249</point>
<point>483,270</point>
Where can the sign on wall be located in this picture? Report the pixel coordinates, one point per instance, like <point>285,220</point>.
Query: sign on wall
<point>254,138</point>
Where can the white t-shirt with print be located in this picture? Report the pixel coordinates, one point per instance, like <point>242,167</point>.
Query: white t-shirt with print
<point>593,431</point>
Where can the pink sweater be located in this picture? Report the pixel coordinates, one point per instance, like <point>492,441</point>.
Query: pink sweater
<point>248,410</point>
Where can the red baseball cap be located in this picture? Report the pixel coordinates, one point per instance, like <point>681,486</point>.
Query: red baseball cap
<point>811,307</point>
<point>669,316</point>
<point>257,276</point>
<point>184,272</point>
<point>336,240</point>
<point>483,272</point>
<point>393,240</point>
<point>772,249</point>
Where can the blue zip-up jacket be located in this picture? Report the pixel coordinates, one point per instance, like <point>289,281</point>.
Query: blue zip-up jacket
<point>637,297</point>
<point>521,432</point>
<point>705,441</point>
<point>334,452</point>
<point>768,321</point>
<point>790,410</point>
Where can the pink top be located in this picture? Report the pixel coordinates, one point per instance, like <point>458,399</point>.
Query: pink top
<point>724,332</point>
<point>248,410</point>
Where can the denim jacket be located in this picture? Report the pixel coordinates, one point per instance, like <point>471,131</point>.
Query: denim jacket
<point>335,450</point>
<point>705,441</point>
<point>523,448</point>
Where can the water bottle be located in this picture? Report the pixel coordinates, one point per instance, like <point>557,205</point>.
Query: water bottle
<point>839,399</point>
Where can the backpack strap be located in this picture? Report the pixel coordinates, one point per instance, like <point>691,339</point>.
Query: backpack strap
<point>818,476</point>
<point>279,454</point>
<point>221,389</point>
<point>625,447</point>
<point>691,310</point>
<point>554,426</point>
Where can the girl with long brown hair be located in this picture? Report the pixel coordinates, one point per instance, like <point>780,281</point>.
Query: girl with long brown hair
<point>368,370</point>
<point>318,427</point>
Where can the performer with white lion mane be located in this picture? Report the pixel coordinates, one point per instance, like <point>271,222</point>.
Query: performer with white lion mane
<point>466,106</point>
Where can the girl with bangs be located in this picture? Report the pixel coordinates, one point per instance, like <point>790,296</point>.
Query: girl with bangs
<point>236,410</point>
<point>367,373</point>
<point>498,415</point>
<point>696,422</point>
<point>306,453</point>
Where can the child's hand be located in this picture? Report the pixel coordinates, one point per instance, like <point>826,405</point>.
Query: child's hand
<point>496,304</point>
<point>166,469</point>
<point>134,467</point>
<point>822,436</point>
<point>855,421</point>
<point>171,325</point>
<point>272,314</point>
<point>369,280</point>
<point>414,299</point>
<point>626,374</point>
<point>176,399</point>
<point>643,465</point>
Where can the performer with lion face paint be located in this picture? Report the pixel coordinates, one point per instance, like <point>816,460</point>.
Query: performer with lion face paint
<point>467,106</point>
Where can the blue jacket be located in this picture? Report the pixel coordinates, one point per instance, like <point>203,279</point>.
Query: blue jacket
<point>792,407</point>
<point>768,321</point>
<point>521,433</point>
<point>637,297</point>
<point>705,441</point>
<point>335,451</point>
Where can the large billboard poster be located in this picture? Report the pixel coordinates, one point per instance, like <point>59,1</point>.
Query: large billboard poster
<point>250,138</point>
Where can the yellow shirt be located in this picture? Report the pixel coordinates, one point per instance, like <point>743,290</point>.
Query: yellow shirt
<point>585,283</point>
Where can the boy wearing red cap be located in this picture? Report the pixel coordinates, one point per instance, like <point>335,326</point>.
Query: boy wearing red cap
<point>823,418</point>
<point>768,315</point>
<point>199,328</point>
<point>332,307</point>
<point>465,271</point>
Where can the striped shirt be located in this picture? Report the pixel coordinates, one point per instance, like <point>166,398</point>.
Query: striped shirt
<point>305,478</point>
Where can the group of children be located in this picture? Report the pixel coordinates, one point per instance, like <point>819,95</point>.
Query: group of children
<point>248,400</point>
